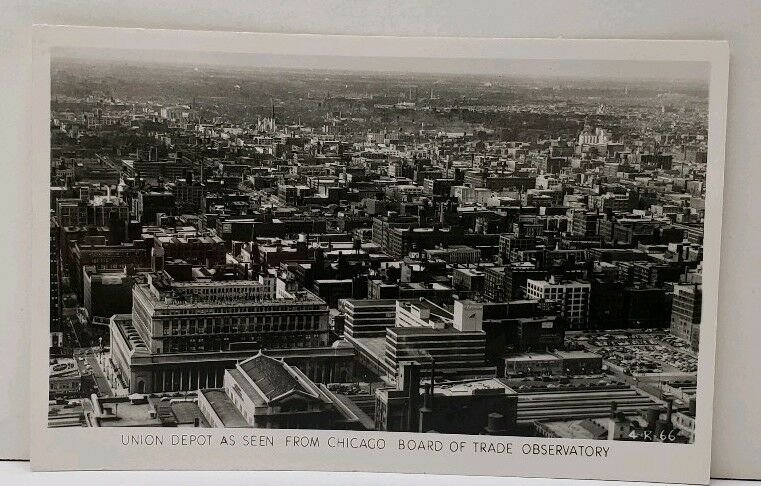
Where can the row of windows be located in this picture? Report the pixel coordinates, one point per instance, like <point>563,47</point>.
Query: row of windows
<point>276,341</point>
<point>267,324</point>
<point>259,309</point>
<point>559,291</point>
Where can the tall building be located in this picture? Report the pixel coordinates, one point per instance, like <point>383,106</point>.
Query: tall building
<point>596,136</point>
<point>179,331</point>
<point>572,296</point>
<point>202,315</point>
<point>99,211</point>
<point>509,243</point>
<point>494,284</point>
<point>508,283</point>
<point>427,333</point>
<point>629,230</point>
<point>134,255</point>
<point>686,311</point>
<point>56,301</point>
<point>149,204</point>
<point>189,196</point>
<point>106,292</point>
<point>521,325</point>
<point>615,305</point>
<point>485,406</point>
<point>583,223</point>
<point>196,248</point>
<point>367,317</point>
<point>614,202</point>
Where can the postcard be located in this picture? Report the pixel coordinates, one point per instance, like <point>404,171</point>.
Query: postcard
<point>424,255</point>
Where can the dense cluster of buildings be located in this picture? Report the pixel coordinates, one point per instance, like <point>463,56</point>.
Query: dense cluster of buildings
<point>343,270</point>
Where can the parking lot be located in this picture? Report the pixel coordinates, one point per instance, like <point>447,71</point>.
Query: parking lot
<point>640,353</point>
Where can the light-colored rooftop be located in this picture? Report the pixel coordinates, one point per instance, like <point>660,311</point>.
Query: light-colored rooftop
<point>469,387</point>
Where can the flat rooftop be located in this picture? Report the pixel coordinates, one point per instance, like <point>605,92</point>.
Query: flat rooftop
<point>532,357</point>
<point>576,429</point>
<point>186,412</point>
<point>124,413</point>
<point>576,354</point>
<point>374,347</point>
<point>370,302</point>
<point>420,330</point>
<point>471,387</point>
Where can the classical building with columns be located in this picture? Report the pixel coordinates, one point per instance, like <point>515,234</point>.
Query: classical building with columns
<point>183,335</point>
<point>268,393</point>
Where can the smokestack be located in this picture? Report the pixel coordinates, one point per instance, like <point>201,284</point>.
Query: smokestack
<point>653,414</point>
<point>495,424</point>
<point>426,412</point>
<point>433,382</point>
<point>669,410</point>
<point>412,384</point>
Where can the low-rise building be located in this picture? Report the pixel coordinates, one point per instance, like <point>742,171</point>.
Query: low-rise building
<point>267,393</point>
<point>65,378</point>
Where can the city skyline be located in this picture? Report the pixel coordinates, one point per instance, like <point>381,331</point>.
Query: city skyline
<point>274,247</point>
<point>610,70</point>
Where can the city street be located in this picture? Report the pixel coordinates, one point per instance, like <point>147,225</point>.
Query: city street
<point>87,357</point>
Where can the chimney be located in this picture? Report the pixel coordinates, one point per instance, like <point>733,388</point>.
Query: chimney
<point>495,424</point>
<point>433,374</point>
<point>653,414</point>
<point>669,410</point>
<point>426,412</point>
<point>410,372</point>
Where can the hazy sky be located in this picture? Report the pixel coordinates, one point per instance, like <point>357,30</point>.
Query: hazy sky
<point>621,70</point>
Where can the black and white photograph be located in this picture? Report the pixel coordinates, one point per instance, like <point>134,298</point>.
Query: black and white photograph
<point>495,248</point>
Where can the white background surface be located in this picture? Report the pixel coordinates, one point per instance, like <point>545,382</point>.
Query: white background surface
<point>737,424</point>
<point>17,473</point>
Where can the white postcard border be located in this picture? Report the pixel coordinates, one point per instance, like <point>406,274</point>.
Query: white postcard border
<point>57,449</point>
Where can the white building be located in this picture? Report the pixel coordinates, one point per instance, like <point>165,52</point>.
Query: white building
<point>573,297</point>
<point>598,136</point>
<point>471,195</point>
